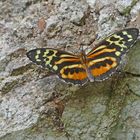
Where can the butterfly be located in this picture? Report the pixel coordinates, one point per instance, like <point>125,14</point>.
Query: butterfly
<point>97,65</point>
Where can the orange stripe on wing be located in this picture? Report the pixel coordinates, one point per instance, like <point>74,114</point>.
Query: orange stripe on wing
<point>93,62</point>
<point>92,55</point>
<point>67,60</point>
<point>97,48</point>
<point>74,76</point>
<point>103,69</point>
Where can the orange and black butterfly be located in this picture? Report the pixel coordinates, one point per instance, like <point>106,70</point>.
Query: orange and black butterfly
<point>101,62</point>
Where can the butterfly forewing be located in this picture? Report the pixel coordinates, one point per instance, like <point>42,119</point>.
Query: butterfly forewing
<point>106,56</point>
<point>66,65</point>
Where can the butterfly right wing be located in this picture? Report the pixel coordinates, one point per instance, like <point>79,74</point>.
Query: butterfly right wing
<point>66,65</point>
<point>105,58</point>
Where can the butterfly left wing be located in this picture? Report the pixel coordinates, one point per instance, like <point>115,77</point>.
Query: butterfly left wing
<point>104,59</point>
<point>66,65</point>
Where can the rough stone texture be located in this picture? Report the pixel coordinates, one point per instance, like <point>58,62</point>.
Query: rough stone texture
<point>34,103</point>
<point>134,11</point>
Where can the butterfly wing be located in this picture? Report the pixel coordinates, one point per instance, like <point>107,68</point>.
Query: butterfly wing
<point>66,65</point>
<point>104,59</point>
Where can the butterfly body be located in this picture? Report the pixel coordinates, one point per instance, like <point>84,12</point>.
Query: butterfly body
<point>97,65</point>
<point>85,62</point>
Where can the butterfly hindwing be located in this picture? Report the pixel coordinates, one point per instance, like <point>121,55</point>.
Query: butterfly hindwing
<point>106,56</point>
<point>66,65</point>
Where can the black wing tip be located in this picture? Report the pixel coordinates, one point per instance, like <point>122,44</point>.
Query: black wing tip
<point>132,28</point>
<point>30,53</point>
<point>132,31</point>
<point>135,30</point>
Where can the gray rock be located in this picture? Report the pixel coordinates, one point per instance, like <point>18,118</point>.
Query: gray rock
<point>34,103</point>
<point>133,60</point>
<point>121,5</point>
<point>136,8</point>
<point>128,126</point>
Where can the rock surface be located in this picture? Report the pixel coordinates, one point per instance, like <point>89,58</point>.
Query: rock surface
<point>34,103</point>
